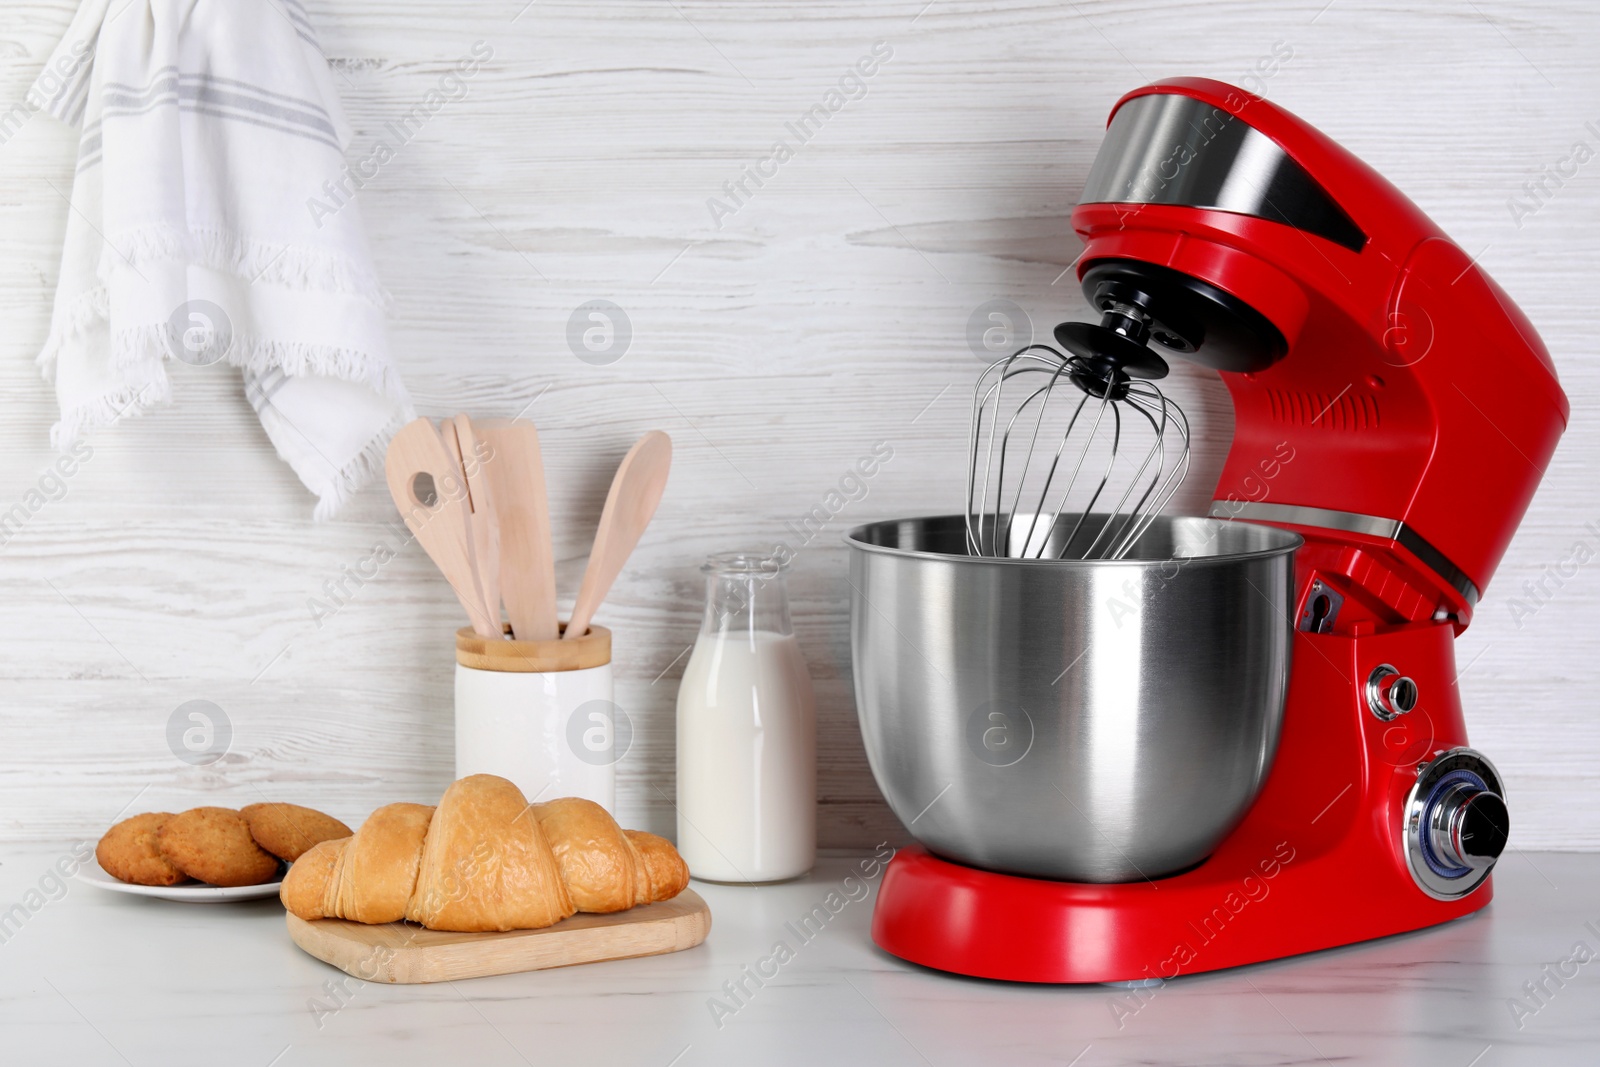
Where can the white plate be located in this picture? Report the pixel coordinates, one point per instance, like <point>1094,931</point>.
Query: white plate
<point>92,873</point>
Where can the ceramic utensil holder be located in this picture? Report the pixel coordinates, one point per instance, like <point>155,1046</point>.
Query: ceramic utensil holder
<point>539,713</point>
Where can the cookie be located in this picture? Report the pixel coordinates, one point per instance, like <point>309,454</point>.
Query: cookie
<point>288,830</point>
<point>214,846</point>
<point>129,853</point>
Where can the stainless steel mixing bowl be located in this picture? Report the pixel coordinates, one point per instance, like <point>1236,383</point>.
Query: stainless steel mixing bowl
<point>1084,720</point>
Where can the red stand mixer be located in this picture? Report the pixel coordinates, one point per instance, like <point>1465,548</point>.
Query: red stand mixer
<point>1396,411</point>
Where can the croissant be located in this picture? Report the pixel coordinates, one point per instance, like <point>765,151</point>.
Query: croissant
<point>484,859</point>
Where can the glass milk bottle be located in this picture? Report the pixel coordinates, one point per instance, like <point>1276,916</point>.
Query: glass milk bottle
<point>747,743</point>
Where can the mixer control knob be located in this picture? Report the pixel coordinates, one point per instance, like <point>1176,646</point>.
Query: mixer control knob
<point>1454,823</point>
<point>1468,827</point>
<point>1390,694</point>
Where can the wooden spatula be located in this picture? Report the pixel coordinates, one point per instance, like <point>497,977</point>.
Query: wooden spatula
<point>484,525</point>
<point>439,519</point>
<point>515,472</point>
<point>635,491</point>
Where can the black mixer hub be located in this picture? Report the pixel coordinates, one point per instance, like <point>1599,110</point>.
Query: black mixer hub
<point>1183,314</point>
<point>1105,357</point>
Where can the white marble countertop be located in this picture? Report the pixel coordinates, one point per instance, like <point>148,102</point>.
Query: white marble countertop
<point>91,977</point>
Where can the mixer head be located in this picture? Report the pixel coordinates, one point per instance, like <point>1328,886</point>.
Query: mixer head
<point>1353,336</point>
<point>1110,441</point>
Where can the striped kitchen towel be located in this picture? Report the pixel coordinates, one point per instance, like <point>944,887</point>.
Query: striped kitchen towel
<point>210,128</point>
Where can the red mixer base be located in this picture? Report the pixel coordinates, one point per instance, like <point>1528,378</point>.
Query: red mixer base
<point>1317,861</point>
<point>1221,914</point>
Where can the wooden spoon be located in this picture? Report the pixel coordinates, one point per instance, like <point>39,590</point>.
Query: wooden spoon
<point>515,473</point>
<point>635,491</point>
<point>439,519</point>
<point>484,524</point>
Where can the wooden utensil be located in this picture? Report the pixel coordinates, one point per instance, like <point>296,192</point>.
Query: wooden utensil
<point>515,472</point>
<point>484,524</point>
<point>635,491</point>
<point>404,953</point>
<point>439,523</point>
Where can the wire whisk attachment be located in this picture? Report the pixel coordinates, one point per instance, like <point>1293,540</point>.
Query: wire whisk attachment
<point>1081,466</point>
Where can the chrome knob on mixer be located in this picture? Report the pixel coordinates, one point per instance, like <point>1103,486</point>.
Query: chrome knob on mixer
<point>1455,823</point>
<point>1390,694</point>
<point>1468,827</point>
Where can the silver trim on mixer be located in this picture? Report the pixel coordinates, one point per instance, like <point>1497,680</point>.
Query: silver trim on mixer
<point>1350,522</point>
<point>1430,827</point>
<point>1390,694</point>
<point>1167,148</point>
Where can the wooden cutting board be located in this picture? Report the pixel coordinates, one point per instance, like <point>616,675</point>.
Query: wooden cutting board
<point>405,953</point>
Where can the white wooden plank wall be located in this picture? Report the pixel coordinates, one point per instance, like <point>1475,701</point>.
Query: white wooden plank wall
<point>827,314</point>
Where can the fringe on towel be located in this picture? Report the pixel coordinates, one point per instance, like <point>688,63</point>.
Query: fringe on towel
<point>86,311</point>
<point>133,350</point>
<point>127,402</point>
<point>141,353</point>
<point>359,471</point>
<point>291,266</point>
<point>252,261</point>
